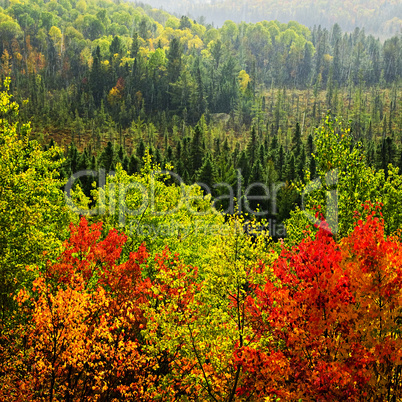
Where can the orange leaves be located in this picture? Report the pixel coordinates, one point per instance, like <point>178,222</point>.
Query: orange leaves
<point>98,331</point>
<point>85,320</point>
<point>325,326</point>
<point>374,264</point>
<point>116,93</point>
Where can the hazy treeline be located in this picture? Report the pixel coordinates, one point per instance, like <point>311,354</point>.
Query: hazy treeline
<point>381,18</point>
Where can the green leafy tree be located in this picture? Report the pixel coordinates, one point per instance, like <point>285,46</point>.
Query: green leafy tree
<point>153,209</point>
<point>34,216</point>
<point>344,184</point>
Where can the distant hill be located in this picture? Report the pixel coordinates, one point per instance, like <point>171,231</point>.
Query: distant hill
<point>379,17</point>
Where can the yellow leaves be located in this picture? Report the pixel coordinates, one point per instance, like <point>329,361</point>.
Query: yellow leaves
<point>163,40</point>
<point>328,58</point>
<point>86,57</point>
<point>143,51</point>
<point>151,44</point>
<point>6,67</point>
<point>125,61</point>
<point>159,29</point>
<point>55,34</point>
<point>114,96</point>
<point>243,79</point>
<point>195,43</point>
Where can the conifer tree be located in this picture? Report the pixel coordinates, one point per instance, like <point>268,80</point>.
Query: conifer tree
<point>296,140</point>
<point>140,149</point>
<point>207,173</point>
<point>134,165</point>
<point>107,159</point>
<point>174,56</point>
<point>96,81</point>
<point>252,147</point>
<point>197,148</point>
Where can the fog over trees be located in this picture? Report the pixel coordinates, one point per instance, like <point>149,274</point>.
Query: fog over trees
<point>379,17</point>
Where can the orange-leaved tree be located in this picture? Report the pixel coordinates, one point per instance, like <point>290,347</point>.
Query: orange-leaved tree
<point>83,341</point>
<point>97,330</point>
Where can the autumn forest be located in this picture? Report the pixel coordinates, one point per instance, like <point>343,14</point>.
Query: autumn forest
<point>194,212</point>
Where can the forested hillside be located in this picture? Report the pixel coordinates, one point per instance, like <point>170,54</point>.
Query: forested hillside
<point>197,214</point>
<point>379,17</point>
<point>114,79</point>
<point>198,308</point>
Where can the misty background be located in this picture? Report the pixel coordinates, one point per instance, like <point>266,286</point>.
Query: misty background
<point>382,18</point>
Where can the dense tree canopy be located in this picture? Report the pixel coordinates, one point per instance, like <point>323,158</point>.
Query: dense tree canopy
<point>191,213</point>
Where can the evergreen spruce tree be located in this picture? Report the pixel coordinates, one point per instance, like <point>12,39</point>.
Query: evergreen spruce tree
<point>310,145</point>
<point>73,157</point>
<point>207,173</point>
<point>96,81</point>
<point>370,132</point>
<point>290,168</point>
<point>134,165</point>
<point>244,167</point>
<point>370,154</point>
<point>140,149</point>
<point>296,140</point>
<point>158,157</point>
<point>107,158</point>
<point>197,149</point>
<point>174,56</point>
<point>262,156</point>
<point>135,46</point>
<point>84,163</point>
<point>257,175</point>
<point>280,161</point>
<point>306,67</point>
<point>169,155</point>
<point>252,147</point>
<point>312,168</point>
<point>301,163</point>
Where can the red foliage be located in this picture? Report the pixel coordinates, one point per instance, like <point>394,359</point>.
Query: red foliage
<point>326,325</point>
<point>327,329</point>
